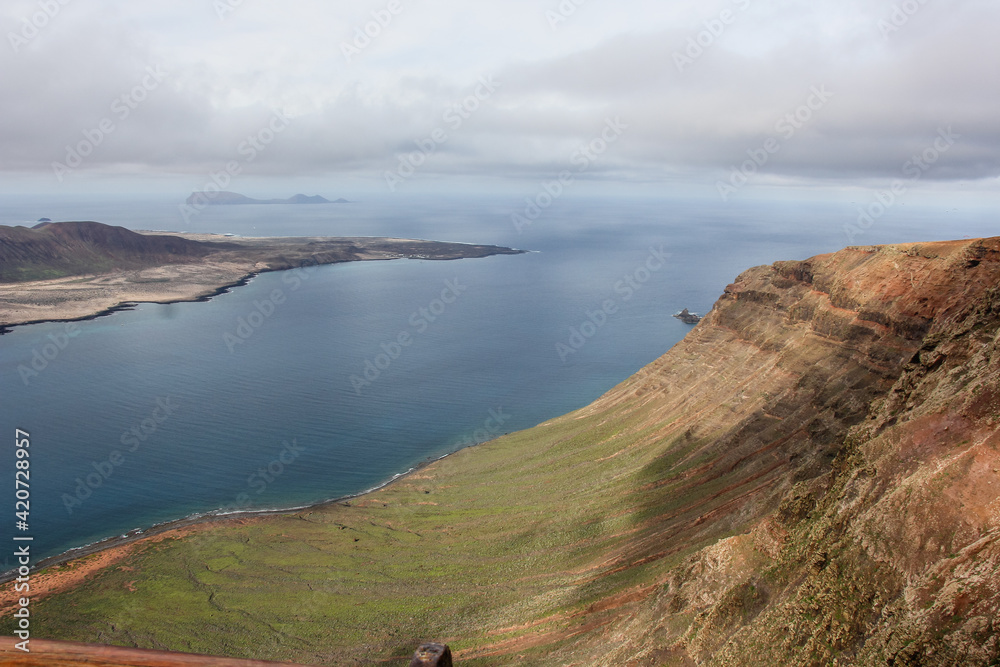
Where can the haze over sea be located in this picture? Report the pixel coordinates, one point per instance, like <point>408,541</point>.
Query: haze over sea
<point>286,393</point>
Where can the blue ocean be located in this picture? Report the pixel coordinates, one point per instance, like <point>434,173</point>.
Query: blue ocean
<point>155,414</point>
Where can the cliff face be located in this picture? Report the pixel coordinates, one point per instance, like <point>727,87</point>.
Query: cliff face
<point>810,475</point>
<point>884,360</point>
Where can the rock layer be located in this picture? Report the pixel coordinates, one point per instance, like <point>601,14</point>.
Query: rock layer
<point>810,475</point>
<point>882,361</point>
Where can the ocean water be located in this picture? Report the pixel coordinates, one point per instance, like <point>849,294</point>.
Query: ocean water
<point>156,414</point>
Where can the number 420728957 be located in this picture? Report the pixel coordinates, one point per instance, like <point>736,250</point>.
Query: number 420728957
<point>22,478</point>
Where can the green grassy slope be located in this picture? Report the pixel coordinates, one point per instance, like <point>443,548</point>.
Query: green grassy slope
<point>638,524</point>
<point>429,557</point>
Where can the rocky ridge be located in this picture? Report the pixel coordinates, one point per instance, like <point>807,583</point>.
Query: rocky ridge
<point>870,529</point>
<point>50,250</point>
<point>811,477</point>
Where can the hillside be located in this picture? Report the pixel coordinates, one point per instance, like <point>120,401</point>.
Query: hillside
<point>54,250</point>
<point>810,475</point>
<point>78,270</point>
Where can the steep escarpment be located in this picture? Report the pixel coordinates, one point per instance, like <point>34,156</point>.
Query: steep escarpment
<point>899,563</point>
<point>809,476</point>
<point>890,556</point>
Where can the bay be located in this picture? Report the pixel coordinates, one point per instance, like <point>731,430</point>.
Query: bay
<point>288,417</point>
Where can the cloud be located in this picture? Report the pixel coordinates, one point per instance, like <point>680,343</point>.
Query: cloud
<point>896,79</point>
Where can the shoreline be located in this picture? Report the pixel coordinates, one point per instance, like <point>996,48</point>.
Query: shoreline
<point>136,535</point>
<point>126,306</point>
<point>295,253</point>
<point>192,282</point>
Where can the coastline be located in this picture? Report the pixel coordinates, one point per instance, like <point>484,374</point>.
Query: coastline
<point>184,525</point>
<point>79,298</point>
<point>218,274</point>
<point>125,306</point>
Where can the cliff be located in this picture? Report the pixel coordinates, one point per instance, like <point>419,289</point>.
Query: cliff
<point>810,475</point>
<point>868,531</point>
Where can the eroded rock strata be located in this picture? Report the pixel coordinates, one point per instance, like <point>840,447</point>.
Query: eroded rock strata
<point>810,476</point>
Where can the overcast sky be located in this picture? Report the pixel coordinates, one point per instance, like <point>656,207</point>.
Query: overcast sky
<point>669,95</point>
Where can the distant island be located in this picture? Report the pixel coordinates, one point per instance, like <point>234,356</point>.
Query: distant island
<point>236,199</point>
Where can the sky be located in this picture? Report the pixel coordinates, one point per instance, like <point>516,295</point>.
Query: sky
<point>728,98</point>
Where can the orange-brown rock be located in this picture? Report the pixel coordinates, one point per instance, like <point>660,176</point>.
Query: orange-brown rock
<point>811,477</point>
<point>847,410</point>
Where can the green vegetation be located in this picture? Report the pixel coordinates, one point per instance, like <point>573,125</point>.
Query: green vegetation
<point>28,274</point>
<point>513,537</point>
<point>488,539</point>
<point>809,500</point>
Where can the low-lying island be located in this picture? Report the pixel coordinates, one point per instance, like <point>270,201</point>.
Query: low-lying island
<point>79,270</point>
